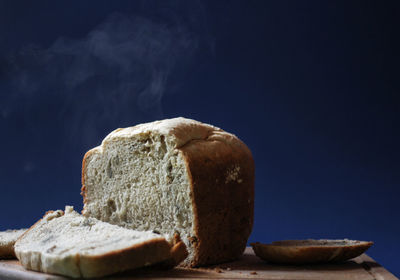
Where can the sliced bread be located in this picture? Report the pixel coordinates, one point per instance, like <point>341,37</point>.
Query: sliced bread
<point>7,240</point>
<point>69,244</point>
<point>175,175</point>
<point>310,250</point>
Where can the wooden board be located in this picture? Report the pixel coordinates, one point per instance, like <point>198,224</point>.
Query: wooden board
<point>248,267</point>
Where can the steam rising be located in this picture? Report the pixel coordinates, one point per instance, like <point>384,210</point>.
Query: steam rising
<point>115,76</point>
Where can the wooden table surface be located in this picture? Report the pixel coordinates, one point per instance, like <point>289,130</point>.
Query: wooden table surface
<point>248,267</point>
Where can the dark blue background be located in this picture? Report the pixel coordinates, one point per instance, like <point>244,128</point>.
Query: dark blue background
<point>311,86</point>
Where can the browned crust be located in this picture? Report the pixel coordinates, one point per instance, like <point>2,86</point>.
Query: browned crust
<point>178,253</point>
<point>83,189</point>
<point>223,209</point>
<point>293,254</point>
<point>7,252</point>
<point>150,252</point>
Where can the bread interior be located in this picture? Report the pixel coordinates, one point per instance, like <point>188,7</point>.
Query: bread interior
<point>140,182</point>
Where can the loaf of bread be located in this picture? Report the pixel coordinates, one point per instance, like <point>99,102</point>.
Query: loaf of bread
<point>7,240</point>
<point>175,175</point>
<point>66,243</point>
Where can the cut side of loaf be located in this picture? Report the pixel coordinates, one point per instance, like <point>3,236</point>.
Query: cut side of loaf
<point>7,240</point>
<point>310,250</point>
<point>66,243</point>
<point>175,175</point>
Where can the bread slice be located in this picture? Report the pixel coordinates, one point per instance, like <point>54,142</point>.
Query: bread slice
<point>69,244</point>
<point>7,240</point>
<point>310,250</point>
<point>175,175</point>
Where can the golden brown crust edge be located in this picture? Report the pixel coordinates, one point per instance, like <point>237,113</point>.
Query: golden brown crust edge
<point>7,249</point>
<point>308,254</point>
<point>7,252</point>
<point>178,253</point>
<point>139,255</point>
<point>222,181</point>
<point>83,189</point>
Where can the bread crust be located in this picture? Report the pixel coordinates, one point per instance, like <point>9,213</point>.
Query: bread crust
<point>7,252</point>
<point>7,241</point>
<point>150,252</point>
<point>297,252</point>
<point>83,189</point>
<point>222,183</point>
<point>221,175</point>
